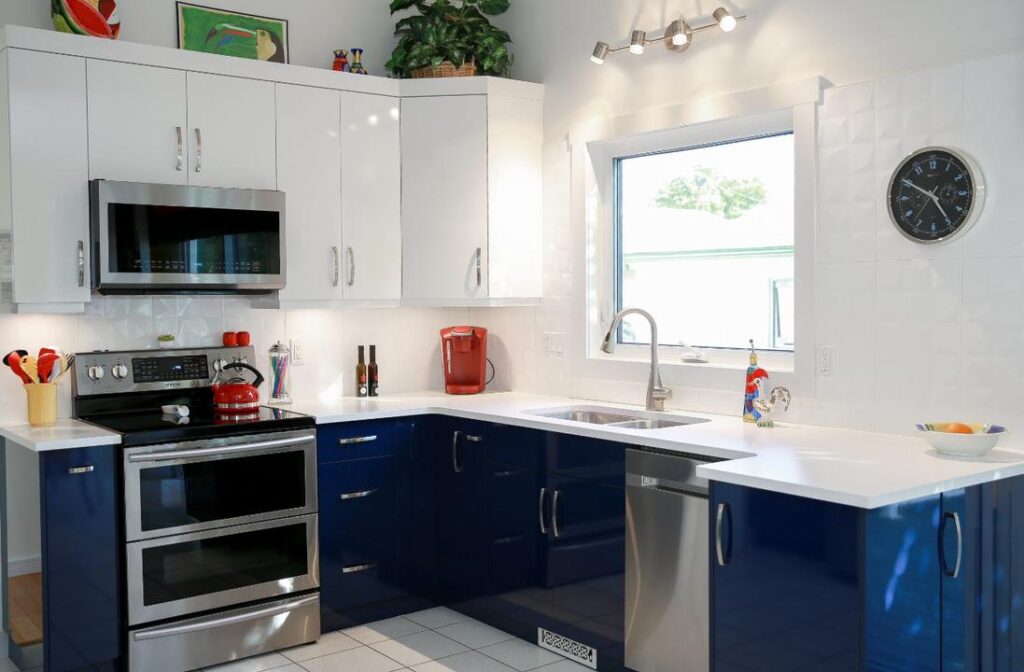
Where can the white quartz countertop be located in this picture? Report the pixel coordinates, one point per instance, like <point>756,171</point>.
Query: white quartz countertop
<point>66,433</point>
<point>862,469</point>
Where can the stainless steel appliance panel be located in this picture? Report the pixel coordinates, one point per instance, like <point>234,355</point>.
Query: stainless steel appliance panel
<point>179,488</point>
<point>667,565</point>
<point>164,275</point>
<point>225,636</point>
<point>177,576</point>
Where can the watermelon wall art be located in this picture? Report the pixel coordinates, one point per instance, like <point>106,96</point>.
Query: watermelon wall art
<point>97,18</point>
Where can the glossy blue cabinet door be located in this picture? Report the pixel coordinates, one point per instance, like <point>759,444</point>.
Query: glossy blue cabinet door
<point>785,595</point>
<point>903,610</point>
<point>82,548</point>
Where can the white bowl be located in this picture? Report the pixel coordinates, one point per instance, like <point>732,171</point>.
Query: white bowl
<point>983,440</point>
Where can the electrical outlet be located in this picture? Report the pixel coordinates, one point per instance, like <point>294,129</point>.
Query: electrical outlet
<point>826,361</point>
<point>297,352</point>
<point>554,344</point>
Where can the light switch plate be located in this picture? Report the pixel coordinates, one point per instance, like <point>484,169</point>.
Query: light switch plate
<point>554,344</point>
<point>826,361</point>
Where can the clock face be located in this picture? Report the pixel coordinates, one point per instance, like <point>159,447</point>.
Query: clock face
<point>934,195</point>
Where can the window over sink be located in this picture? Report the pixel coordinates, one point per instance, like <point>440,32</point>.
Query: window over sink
<point>704,239</point>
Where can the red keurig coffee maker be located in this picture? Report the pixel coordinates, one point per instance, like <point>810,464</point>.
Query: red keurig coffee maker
<point>464,356</point>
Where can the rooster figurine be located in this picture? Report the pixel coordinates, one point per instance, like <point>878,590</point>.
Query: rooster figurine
<point>765,404</point>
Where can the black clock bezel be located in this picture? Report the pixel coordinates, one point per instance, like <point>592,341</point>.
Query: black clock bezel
<point>977,200</point>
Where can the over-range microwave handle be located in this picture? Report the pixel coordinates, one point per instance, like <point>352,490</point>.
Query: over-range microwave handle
<point>222,450</point>
<point>221,621</point>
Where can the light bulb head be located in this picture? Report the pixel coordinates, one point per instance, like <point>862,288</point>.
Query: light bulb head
<point>726,21</point>
<point>637,41</point>
<point>677,35</point>
<point>600,53</point>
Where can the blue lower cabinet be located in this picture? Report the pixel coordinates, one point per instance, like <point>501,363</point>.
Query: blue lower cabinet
<point>360,440</point>
<point>82,549</point>
<point>784,583</point>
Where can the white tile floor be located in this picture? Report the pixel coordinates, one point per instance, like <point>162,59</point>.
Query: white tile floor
<point>434,640</point>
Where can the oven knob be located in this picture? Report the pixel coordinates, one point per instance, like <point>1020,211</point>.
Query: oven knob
<point>95,372</point>
<point>119,371</point>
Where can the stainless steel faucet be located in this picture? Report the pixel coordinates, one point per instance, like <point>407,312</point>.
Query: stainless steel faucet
<point>656,392</point>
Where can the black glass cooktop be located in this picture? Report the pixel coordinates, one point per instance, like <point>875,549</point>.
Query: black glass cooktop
<point>147,427</point>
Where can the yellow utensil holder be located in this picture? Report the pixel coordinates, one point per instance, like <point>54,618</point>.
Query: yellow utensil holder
<point>42,403</point>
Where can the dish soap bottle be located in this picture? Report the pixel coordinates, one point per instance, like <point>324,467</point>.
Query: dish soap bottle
<point>756,377</point>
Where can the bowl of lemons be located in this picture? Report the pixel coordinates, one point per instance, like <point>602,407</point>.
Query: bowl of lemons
<point>962,439</point>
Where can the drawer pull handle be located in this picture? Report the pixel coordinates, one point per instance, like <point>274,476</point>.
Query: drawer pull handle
<point>357,495</point>
<point>355,569</point>
<point>473,438</point>
<point>357,439</point>
<point>955,517</point>
<point>86,469</point>
<point>720,556</point>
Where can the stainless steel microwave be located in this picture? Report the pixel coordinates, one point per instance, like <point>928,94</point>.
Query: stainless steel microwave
<point>170,239</point>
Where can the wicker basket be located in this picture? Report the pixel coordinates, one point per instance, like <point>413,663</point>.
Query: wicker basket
<point>446,69</point>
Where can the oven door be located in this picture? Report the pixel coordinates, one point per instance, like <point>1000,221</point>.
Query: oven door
<point>179,488</point>
<point>190,573</point>
<point>167,238</point>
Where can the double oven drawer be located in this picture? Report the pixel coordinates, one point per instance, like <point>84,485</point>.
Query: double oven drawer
<point>218,523</point>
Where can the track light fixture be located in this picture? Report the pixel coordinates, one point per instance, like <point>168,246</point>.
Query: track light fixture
<point>678,35</point>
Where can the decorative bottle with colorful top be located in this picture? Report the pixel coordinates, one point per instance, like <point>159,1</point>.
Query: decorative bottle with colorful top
<point>357,66</point>
<point>755,375</point>
<point>340,60</point>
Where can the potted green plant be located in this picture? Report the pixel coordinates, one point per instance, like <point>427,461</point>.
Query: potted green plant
<point>450,38</point>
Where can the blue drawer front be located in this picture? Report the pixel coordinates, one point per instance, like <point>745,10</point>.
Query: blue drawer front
<point>358,440</point>
<point>357,492</point>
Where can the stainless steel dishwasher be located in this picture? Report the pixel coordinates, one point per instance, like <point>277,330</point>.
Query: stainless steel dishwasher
<point>667,565</point>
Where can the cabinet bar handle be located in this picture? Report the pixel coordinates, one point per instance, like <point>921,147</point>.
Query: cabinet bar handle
<point>723,509</point>
<point>479,267</point>
<point>455,452</point>
<point>357,495</point>
<point>355,569</point>
<point>199,150</point>
<point>357,439</point>
<point>336,261</point>
<point>473,438</point>
<point>351,266</point>
<point>540,511</point>
<point>81,263</point>
<point>85,469</point>
<point>181,148</point>
<point>554,514</point>
<point>955,517</point>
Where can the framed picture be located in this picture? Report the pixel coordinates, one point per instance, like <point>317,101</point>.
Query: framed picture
<point>219,31</point>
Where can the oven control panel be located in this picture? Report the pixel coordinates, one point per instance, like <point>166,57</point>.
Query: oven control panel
<point>113,372</point>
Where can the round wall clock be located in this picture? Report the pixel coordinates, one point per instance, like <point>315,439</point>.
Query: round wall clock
<point>935,194</point>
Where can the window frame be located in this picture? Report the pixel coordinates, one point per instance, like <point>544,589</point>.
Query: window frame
<point>777,126</point>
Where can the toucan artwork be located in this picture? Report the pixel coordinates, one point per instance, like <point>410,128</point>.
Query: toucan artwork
<point>218,31</point>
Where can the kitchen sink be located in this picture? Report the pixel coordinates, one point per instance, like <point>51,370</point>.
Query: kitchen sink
<point>616,417</point>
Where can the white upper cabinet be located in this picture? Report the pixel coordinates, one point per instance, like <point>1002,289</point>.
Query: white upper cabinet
<point>309,172</point>
<point>371,198</point>
<point>231,132</point>
<point>138,122</point>
<point>471,197</point>
<point>444,198</point>
<point>44,175</point>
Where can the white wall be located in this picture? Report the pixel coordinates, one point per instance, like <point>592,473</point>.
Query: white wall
<point>919,333</point>
<point>315,29</point>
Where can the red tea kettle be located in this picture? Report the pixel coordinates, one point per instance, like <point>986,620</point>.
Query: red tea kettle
<point>236,394</point>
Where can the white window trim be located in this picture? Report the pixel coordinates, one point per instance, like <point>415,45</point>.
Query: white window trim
<point>780,108</point>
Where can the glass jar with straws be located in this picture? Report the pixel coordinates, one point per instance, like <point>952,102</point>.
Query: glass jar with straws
<point>280,376</point>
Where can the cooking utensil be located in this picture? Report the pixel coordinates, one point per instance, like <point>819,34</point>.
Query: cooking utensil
<point>13,361</point>
<point>47,361</point>
<point>30,365</point>
<point>236,395</point>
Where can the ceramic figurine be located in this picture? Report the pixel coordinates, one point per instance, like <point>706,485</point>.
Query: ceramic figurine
<point>357,62</point>
<point>752,390</point>
<point>766,406</point>
<point>340,60</point>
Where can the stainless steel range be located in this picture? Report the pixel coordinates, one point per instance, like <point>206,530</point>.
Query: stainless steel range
<point>220,512</point>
